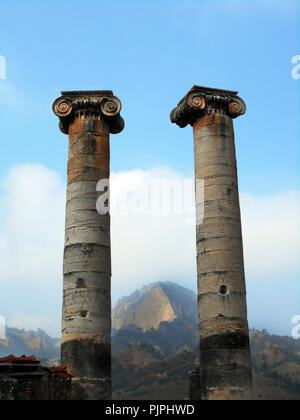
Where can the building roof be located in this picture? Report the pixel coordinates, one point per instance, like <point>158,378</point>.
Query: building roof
<point>22,359</point>
<point>18,366</point>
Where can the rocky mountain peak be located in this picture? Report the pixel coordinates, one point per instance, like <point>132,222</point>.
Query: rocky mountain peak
<point>153,304</point>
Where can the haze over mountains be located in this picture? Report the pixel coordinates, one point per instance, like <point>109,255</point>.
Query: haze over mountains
<point>163,315</point>
<point>153,304</point>
<point>155,345</point>
<point>37,343</point>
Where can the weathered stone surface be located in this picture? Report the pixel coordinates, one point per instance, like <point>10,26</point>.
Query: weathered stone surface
<point>77,305</point>
<point>231,305</point>
<point>218,244</point>
<point>88,118</point>
<point>85,234</point>
<point>223,260</point>
<point>220,210</point>
<point>87,280</point>
<point>91,389</point>
<point>216,171</point>
<point>210,282</point>
<point>88,256</point>
<point>217,227</point>
<point>24,379</point>
<point>96,362</point>
<point>195,384</point>
<point>82,218</point>
<point>201,101</point>
<point>89,112</point>
<point>225,367</point>
<point>220,325</point>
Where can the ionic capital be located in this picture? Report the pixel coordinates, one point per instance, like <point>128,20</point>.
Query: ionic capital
<point>202,100</point>
<point>102,104</point>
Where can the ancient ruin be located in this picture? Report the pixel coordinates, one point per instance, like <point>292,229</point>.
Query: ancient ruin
<point>23,378</point>
<point>225,366</point>
<point>224,373</point>
<point>88,118</point>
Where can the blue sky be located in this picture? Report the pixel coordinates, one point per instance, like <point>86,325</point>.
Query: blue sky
<point>150,53</point>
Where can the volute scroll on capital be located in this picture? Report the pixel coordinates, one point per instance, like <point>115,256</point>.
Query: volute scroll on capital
<point>100,103</point>
<point>200,101</point>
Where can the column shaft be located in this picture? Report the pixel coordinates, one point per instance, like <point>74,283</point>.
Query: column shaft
<point>225,364</point>
<point>88,117</point>
<point>86,322</point>
<point>223,328</point>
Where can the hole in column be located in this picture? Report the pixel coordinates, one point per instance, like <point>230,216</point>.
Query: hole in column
<point>80,283</point>
<point>69,319</point>
<point>83,314</point>
<point>223,290</point>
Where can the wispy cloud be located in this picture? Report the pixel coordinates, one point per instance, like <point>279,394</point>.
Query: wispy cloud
<point>31,235</point>
<point>13,99</point>
<point>145,248</point>
<point>244,7</point>
<point>271,227</point>
<point>33,322</point>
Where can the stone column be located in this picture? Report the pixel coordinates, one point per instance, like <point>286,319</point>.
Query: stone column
<point>223,326</point>
<point>88,118</point>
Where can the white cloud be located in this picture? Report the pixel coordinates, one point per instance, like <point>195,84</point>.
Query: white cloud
<point>25,321</point>
<point>144,248</point>
<point>152,248</point>
<point>271,233</point>
<point>149,248</point>
<point>244,8</point>
<point>31,235</point>
<point>13,99</point>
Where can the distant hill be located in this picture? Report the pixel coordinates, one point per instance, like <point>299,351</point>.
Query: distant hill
<point>155,345</point>
<point>277,358</point>
<point>143,372</point>
<point>37,343</point>
<point>167,378</point>
<point>161,315</point>
<point>149,307</point>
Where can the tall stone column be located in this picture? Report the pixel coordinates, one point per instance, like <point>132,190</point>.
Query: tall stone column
<point>223,326</point>
<point>88,118</point>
